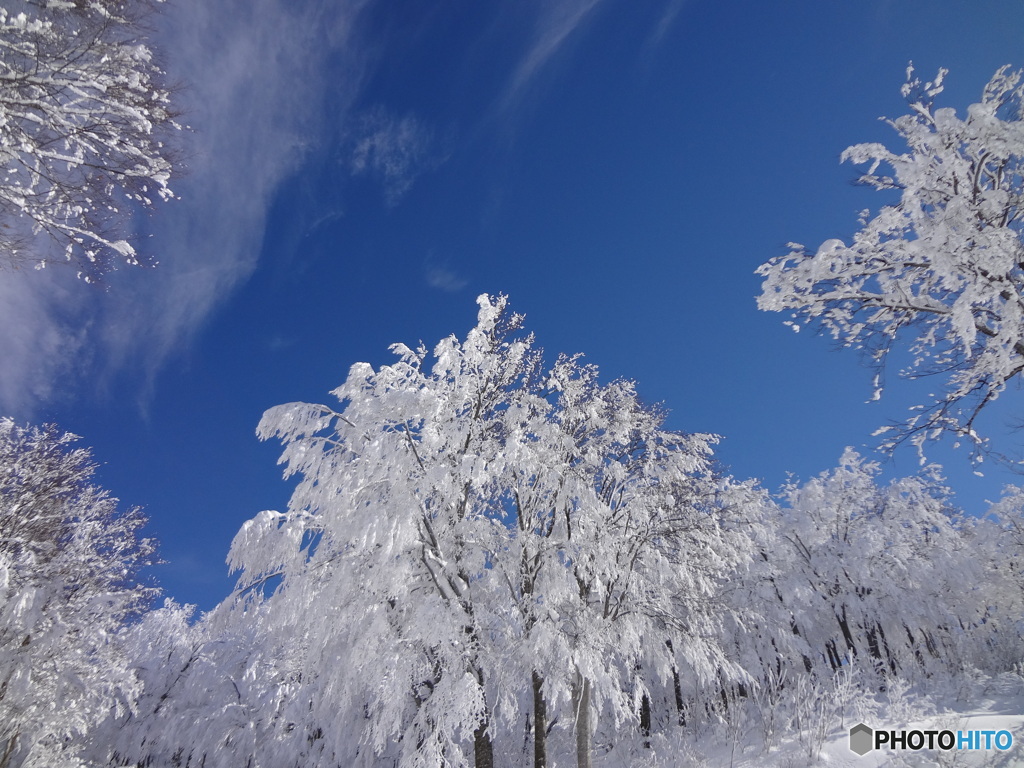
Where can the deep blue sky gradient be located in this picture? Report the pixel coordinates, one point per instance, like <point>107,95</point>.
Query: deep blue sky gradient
<point>621,190</point>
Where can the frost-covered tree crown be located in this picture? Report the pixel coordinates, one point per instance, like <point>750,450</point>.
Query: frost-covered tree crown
<point>941,269</point>
<point>69,561</point>
<point>84,119</point>
<point>489,560</point>
<point>474,523</point>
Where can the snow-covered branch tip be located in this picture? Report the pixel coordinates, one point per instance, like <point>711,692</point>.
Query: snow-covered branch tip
<point>86,127</point>
<point>942,268</point>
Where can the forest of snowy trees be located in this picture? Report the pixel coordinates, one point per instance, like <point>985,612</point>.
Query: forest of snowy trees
<point>496,558</point>
<point>492,560</point>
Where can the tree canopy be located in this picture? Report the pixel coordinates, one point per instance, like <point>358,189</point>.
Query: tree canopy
<point>940,270</point>
<point>69,563</point>
<point>84,125</point>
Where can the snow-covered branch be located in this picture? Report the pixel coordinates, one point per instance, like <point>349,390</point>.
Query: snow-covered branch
<point>84,129</point>
<point>944,263</point>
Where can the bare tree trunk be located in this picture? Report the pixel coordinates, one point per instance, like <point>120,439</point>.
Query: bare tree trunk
<point>645,720</point>
<point>844,625</point>
<point>483,747</point>
<point>582,704</point>
<point>540,724</point>
<point>5,760</point>
<point>677,689</point>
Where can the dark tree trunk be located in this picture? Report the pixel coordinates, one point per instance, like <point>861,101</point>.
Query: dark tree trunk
<point>833,655</point>
<point>483,747</point>
<point>677,689</point>
<point>844,625</point>
<point>540,724</point>
<point>645,720</point>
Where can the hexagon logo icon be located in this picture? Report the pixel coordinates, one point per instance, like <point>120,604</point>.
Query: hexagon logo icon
<point>861,738</point>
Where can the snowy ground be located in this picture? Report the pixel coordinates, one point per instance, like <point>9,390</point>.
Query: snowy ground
<point>986,704</point>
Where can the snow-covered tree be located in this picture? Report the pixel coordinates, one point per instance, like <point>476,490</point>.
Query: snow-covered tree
<point>84,119</point>
<point>383,555</point>
<point>210,694</point>
<point>471,532</point>
<point>998,540</point>
<point>941,268</point>
<point>68,566</point>
<point>629,558</point>
<point>885,573</point>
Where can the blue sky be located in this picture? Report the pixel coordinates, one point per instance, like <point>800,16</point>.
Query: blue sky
<point>360,171</point>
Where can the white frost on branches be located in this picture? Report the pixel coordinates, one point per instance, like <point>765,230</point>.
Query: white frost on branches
<point>83,116</point>
<point>68,561</point>
<point>488,558</point>
<point>942,267</point>
<point>465,529</point>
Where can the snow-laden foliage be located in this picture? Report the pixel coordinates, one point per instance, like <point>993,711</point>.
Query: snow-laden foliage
<point>68,560</point>
<point>83,124</point>
<point>854,551</point>
<point>999,541</point>
<point>477,541</point>
<point>492,561</point>
<point>941,268</point>
<point>208,696</point>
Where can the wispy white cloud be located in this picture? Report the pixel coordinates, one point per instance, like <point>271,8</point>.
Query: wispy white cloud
<point>555,23</point>
<point>254,74</point>
<point>660,32</point>
<point>392,150</point>
<point>43,322</point>
<point>445,279</point>
<point>665,22</point>
<point>256,71</point>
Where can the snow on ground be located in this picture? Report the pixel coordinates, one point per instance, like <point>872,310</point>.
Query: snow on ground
<point>986,704</point>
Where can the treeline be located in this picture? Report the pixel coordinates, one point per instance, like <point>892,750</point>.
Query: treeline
<point>489,560</point>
